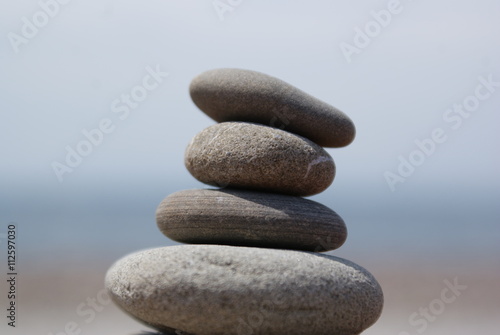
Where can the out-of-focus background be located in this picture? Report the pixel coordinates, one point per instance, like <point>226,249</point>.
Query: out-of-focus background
<point>418,188</point>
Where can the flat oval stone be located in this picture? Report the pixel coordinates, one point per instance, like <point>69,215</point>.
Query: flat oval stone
<point>252,156</point>
<point>215,290</point>
<point>246,218</point>
<point>243,95</point>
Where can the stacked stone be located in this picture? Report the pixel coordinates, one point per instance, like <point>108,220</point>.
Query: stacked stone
<point>253,266</point>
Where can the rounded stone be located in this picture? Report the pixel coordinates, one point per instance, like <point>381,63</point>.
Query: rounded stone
<point>223,290</point>
<point>246,218</point>
<point>243,95</point>
<point>252,156</point>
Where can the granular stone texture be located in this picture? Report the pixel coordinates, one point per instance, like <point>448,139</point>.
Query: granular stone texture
<point>220,290</point>
<point>257,157</point>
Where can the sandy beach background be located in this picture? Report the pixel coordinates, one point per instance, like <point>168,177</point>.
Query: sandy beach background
<point>68,298</point>
<point>96,116</point>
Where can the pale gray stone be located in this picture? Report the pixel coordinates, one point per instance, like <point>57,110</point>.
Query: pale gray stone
<point>246,218</point>
<point>243,95</point>
<point>226,290</point>
<point>253,156</point>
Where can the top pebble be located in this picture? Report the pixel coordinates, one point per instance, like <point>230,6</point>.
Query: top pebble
<point>243,95</point>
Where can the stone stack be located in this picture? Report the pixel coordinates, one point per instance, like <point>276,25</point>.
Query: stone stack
<point>253,264</point>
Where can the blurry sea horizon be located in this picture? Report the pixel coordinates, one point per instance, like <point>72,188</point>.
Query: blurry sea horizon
<point>110,219</point>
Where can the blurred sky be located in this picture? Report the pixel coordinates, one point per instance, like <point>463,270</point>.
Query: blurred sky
<point>396,89</point>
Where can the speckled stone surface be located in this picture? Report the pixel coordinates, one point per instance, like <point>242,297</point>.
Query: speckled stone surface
<point>243,95</point>
<point>222,290</point>
<point>245,218</point>
<point>252,156</point>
